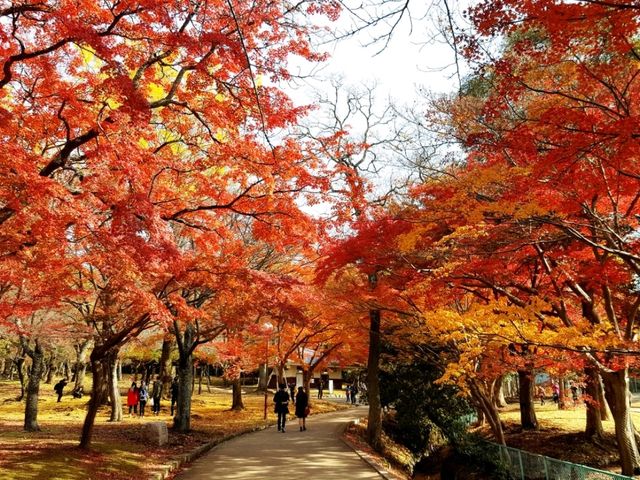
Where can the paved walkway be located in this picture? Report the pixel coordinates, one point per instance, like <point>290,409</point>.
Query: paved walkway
<point>316,453</point>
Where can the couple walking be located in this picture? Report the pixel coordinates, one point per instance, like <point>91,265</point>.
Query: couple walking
<point>281,400</point>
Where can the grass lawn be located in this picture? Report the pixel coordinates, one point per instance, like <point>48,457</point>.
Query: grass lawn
<point>119,449</point>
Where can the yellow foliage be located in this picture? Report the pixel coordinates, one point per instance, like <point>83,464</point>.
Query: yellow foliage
<point>155,92</point>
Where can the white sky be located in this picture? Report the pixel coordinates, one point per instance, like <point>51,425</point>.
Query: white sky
<point>416,56</point>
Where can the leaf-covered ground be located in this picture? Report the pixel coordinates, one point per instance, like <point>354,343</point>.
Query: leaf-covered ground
<point>561,435</point>
<point>119,449</point>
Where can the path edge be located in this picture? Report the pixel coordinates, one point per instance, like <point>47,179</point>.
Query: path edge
<point>369,459</point>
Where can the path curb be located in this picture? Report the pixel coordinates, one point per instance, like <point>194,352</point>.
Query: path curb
<point>368,458</point>
<point>163,472</point>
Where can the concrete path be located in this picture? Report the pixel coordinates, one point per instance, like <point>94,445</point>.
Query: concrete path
<point>317,453</point>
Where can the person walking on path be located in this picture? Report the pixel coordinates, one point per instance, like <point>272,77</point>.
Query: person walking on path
<point>143,396</point>
<point>347,393</point>
<point>133,398</point>
<point>156,396</point>
<point>302,408</point>
<point>320,388</point>
<point>354,394</point>
<point>59,387</point>
<point>281,399</point>
<point>174,394</point>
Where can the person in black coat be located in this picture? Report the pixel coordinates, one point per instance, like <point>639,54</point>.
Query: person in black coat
<point>281,399</point>
<point>59,387</point>
<point>302,408</point>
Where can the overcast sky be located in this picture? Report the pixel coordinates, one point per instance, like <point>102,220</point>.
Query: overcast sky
<point>416,56</point>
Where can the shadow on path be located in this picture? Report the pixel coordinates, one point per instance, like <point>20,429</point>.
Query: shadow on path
<point>315,453</point>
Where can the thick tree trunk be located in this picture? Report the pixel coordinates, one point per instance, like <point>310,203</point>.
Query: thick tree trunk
<point>618,396</point>
<point>374,425</point>
<point>182,420</point>
<point>528,417</point>
<point>237,403</point>
<point>100,369</point>
<point>165,366</point>
<point>307,375</point>
<point>498,393</point>
<point>114,391</point>
<point>593,429</point>
<point>33,389</point>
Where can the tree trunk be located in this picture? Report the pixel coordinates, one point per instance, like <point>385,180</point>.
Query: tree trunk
<point>200,380</point>
<point>527,410</point>
<point>263,374</point>
<point>114,391</point>
<point>593,429</point>
<point>100,369</point>
<point>604,408</point>
<point>498,393</point>
<point>165,366</point>
<point>481,417</point>
<point>50,370</point>
<point>33,388</point>
<point>182,420</point>
<point>19,361</point>
<point>307,375</point>
<point>562,397</point>
<point>617,392</point>
<point>481,396</point>
<point>208,378</point>
<point>374,425</point>
<point>237,403</point>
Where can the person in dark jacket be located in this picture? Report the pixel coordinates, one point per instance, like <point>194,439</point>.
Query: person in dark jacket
<point>281,399</point>
<point>302,408</point>
<point>59,387</point>
<point>156,396</point>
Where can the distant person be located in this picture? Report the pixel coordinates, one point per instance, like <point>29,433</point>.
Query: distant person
<point>156,396</point>
<point>78,391</point>
<point>540,393</point>
<point>292,392</point>
<point>174,394</point>
<point>347,393</point>
<point>143,397</point>
<point>133,398</point>
<point>59,388</point>
<point>354,394</point>
<point>555,390</point>
<point>320,388</point>
<point>281,400</point>
<point>574,393</point>
<point>302,408</point>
